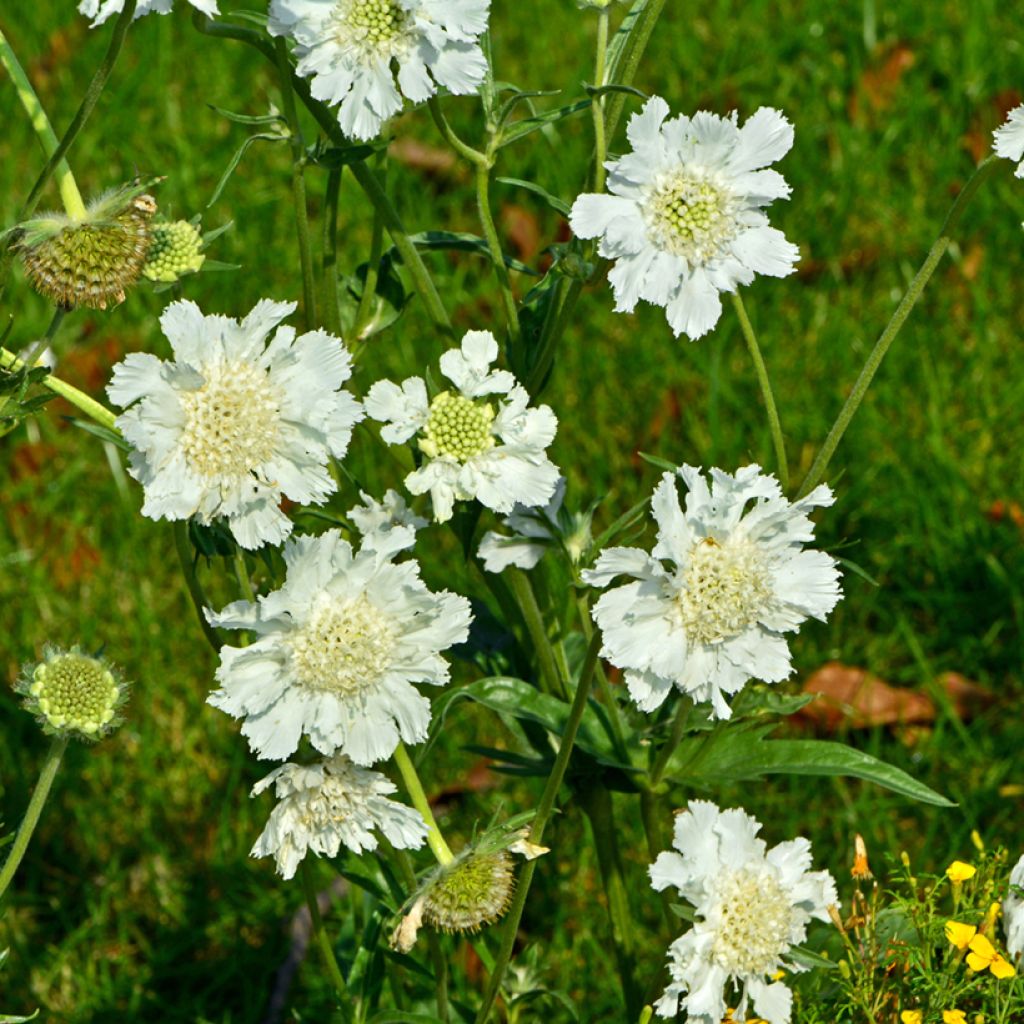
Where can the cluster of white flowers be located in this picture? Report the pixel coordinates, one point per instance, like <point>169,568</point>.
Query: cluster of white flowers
<point>752,905</point>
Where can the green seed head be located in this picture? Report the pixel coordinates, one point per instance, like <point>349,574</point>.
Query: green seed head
<point>470,893</point>
<point>176,250</point>
<point>73,694</point>
<point>94,261</point>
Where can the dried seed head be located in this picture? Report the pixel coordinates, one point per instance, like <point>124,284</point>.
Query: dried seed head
<point>176,250</point>
<point>93,261</point>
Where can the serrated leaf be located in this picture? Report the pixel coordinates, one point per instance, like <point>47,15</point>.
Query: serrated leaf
<point>559,205</point>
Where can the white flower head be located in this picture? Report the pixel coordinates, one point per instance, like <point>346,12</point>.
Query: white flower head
<point>685,218</point>
<point>1009,138</point>
<point>1013,913</point>
<point>337,651</point>
<point>709,607</point>
<point>235,423</point>
<point>365,55</point>
<point>334,803</point>
<point>387,526</point>
<point>534,530</point>
<point>481,440</point>
<point>752,905</point>
<point>100,10</point>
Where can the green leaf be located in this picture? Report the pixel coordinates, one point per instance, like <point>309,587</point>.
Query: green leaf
<point>237,159</point>
<point>658,461</point>
<point>101,432</point>
<point>560,205</point>
<point>624,522</point>
<point>808,958</point>
<point>255,120</point>
<point>402,1017</point>
<point>458,241</point>
<point>528,125</point>
<point>601,90</point>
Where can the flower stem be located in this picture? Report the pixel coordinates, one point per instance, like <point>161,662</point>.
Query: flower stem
<point>623,69</point>
<point>324,942</point>
<point>40,346</point>
<point>331,315</point>
<point>69,194</point>
<point>522,591</point>
<point>284,71</point>
<point>607,696</point>
<point>363,315</point>
<point>483,203</point>
<point>597,108</point>
<point>187,560</point>
<point>678,728</point>
<point>817,471</point>
<point>766,390</point>
<point>35,808</point>
<point>540,820</point>
<point>93,409</point>
<point>86,107</point>
<point>435,840</point>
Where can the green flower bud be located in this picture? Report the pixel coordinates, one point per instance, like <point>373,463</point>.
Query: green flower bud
<point>92,261</point>
<point>175,252</point>
<point>73,694</point>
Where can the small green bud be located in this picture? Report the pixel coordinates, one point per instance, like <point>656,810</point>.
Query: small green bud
<point>176,251</point>
<point>73,694</point>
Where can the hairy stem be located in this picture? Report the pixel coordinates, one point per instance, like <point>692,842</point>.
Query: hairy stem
<point>35,807</point>
<point>597,108</point>
<point>440,849</point>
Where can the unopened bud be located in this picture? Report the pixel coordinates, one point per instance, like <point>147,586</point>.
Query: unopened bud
<point>175,252</point>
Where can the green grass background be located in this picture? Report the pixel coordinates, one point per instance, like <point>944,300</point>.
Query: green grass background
<point>138,901</point>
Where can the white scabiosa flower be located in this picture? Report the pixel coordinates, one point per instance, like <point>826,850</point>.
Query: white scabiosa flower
<point>336,652</point>
<point>334,803</point>
<point>685,219</point>
<point>387,526</point>
<point>480,440</point>
<point>365,55</point>
<point>709,607</point>
<point>1013,912</point>
<point>751,904</point>
<point>233,424</point>
<point>1009,138</point>
<point>534,530</point>
<point>100,10</point>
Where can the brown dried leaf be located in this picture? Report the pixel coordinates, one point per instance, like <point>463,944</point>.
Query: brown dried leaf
<point>421,156</point>
<point>880,82</point>
<point>522,231</point>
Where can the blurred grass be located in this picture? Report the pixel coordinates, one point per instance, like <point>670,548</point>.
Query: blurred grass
<point>138,901</point>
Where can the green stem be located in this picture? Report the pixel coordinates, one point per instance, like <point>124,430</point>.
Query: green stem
<point>817,471</point>
<point>93,409</point>
<point>597,109</point>
<point>474,156</point>
<point>86,107</point>
<point>331,313</point>
<point>363,314</point>
<point>483,202</point>
<point>69,194</point>
<point>675,737</point>
<point>440,849</point>
<point>440,975</point>
<point>540,821</point>
<point>766,390</point>
<point>522,591</point>
<point>360,171</point>
<point>40,346</point>
<point>324,942</point>
<point>607,696</point>
<point>187,561</point>
<point>35,808</point>
<point>284,70</point>
<point>624,70</point>
<point>551,335</point>
<point>242,575</point>
<point>596,802</point>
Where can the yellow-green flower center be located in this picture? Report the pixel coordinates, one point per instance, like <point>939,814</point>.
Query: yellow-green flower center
<point>726,588</point>
<point>344,648</point>
<point>73,691</point>
<point>457,427</point>
<point>175,251</point>
<point>693,217</point>
<point>231,422</point>
<point>374,26</point>
<point>753,923</point>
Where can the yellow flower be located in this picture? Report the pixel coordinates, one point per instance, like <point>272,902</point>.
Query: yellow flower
<point>954,1017</point>
<point>912,1017</point>
<point>984,956</point>
<point>958,871</point>
<point>960,934</point>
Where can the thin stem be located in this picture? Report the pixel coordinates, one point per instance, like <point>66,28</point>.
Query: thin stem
<point>324,942</point>
<point>483,202</point>
<point>604,687</point>
<point>522,591</point>
<point>440,849</point>
<point>440,974</point>
<point>242,575</point>
<point>474,156</point>
<point>817,471</point>
<point>540,821</point>
<point>766,390</point>
<point>93,409</point>
<point>331,313</point>
<point>284,69</point>
<point>597,108</point>
<point>624,70</point>
<point>69,194</point>
<point>675,737</point>
<point>32,813</point>
<point>363,314</point>
<point>86,107</point>
<point>550,337</point>
<point>187,561</point>
<point>40,346</point>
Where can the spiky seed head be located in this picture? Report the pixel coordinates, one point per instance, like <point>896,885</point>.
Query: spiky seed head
<point>176,250</point>
<point>73,694</point>
<point>470,893</point>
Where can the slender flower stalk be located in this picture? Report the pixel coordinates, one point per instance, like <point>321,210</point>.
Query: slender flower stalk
<point>70,196</point>
<point>522,591</point>
<point>324,942</point>
<point>913,293</point>
<point>329,284</point>
<point>774,426</point>
<point>35,808</point>
<point>435,840</point>
<point>600,142</point>
<point>187,561</point>
<point>364,310</point>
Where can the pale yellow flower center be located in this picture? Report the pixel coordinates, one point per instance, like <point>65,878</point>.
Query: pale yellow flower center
<point>375,26</point>
<point>693,217</point>
<point>754,923</point>
<point>344,648</point>
<point>74,691</point>
<point>458,427</point>
<point>726,588</point>
<point>231,422</point>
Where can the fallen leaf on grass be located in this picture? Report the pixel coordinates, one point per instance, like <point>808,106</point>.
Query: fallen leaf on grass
<point>880,82</point>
